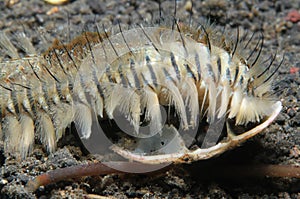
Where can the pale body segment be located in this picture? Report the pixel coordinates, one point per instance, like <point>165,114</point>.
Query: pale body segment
<point>133,72</point>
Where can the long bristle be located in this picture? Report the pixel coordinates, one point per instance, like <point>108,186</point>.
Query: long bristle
<point>8,47</point>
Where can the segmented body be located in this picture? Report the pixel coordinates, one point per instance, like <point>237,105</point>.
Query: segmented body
<point>36,94</point>
<point>134,72</point>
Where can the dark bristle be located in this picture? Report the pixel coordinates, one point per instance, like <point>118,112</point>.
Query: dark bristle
<point>219,64</point>
<point>175,13</point>
<point>191,14</point>
<point>268,59</point>
<point>121,31</point>
<point>268,67</point>
<point>111,44</point>
<point>59,61</point>
<point>6,88</point>
<point>50,73</point>
<point>254,49</point>
<point>70,57</point>
<point>236,74</point>
<point>160,12</point>
<point>276,69</point>
<point>149,39</point>
<point>101,39</point>
<point>150,67</point>
<point>14,98</point>
<point>109,75</point>
<point>35,72</point>
<point>134,73</point>
<point>244,36</point>
<point>90,48</point>
<point>206,37</point>
<point>236,42</point>
<point>274,93</point>
<point>17,84</point>
<point>136,9</point>
<point>260,50</point>
<point>175,66</point>
<point>181,37</point>
<point>175,8</point>
<point>249,41</point>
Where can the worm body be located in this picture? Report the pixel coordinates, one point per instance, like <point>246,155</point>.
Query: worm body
<point>201,75</point>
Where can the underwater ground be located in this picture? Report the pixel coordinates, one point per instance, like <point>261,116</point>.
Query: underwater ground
<point>278,144</point>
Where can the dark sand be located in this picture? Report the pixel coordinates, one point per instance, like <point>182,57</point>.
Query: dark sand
<point>278,144</point>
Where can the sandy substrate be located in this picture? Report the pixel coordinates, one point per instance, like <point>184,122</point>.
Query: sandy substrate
<point>278,144</point>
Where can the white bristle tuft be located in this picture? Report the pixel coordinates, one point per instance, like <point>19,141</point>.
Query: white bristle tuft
<point>12,134</point>
<point>63,116</point>
<point>150,101</point>
<point>235,102</point>
<point>46,131</point>
<point>27,137</point>
<point>225,98</point>
<point>212,96</point>
<point>189,90</point>
<point>174,98</point>
<point>253,110</point>
<point>83,120</point>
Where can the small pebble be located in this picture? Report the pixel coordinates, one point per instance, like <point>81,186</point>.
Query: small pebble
<point>57,2</point>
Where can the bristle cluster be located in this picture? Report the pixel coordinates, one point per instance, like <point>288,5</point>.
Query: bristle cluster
<point>135,72</point>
